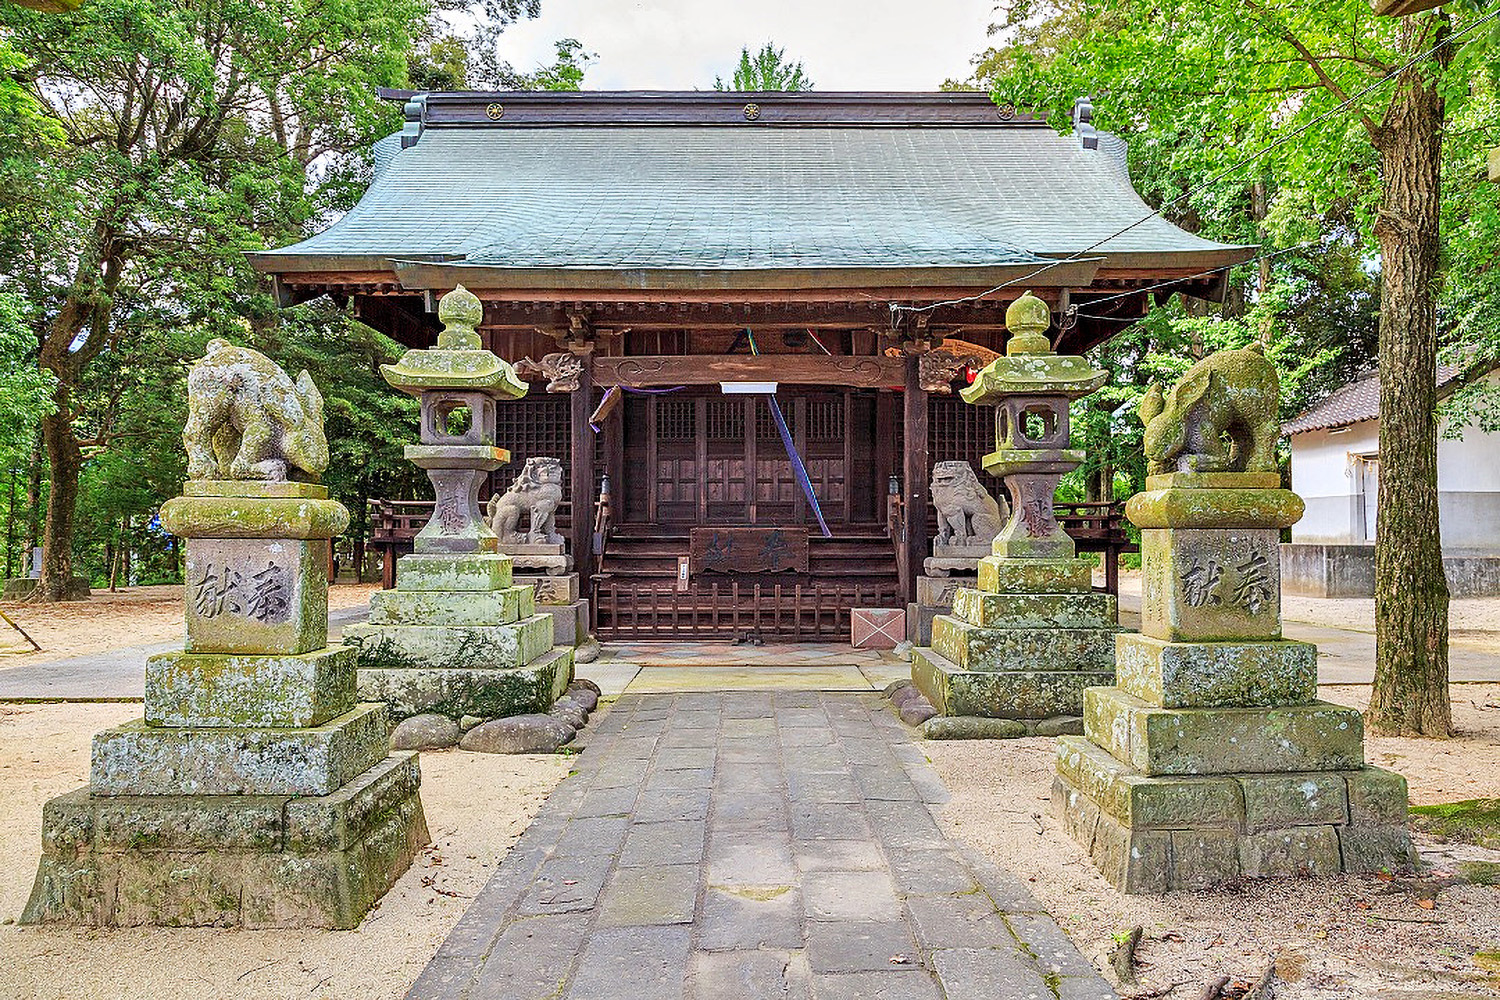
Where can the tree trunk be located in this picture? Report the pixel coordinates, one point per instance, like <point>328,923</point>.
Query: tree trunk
<point>66,461</point>
<point>1410,695</point>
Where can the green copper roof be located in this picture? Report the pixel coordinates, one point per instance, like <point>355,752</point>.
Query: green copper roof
<point>721,197</point>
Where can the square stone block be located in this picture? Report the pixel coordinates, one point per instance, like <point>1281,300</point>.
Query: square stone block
<point>248,689</point>
<point>457,692</point>
<point>465,647</point>
<point>1216,674</point>
<point>938,591</point>
<point>1376,848</point>
<point>551,589</point>
<point>1154,741</point>
<point>447,607</point>
<point>475,571</point>
<point>1298,850</point>
<point>570,622</point>
<point>1377,798</point>
<point>256,595</point>
<point>1009,694</point>
<point>1202,859</point>
<point>976,648</point>
<point>1208,584</point>
<point>1001,575</point>
<point>230,860</point>
<point>1146,803</point>
<point>1133,861</point>
<point>137,759</point>
<point>877,628</point>
<point>1274,801</point>
<point>1036,611</point>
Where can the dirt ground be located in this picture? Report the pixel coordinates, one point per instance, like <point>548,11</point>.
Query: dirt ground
<point>1339,937</point>
<point>138,616</point>
<point>44,752</point>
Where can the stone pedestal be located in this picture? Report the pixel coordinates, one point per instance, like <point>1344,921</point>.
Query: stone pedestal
<point>1212,758</point>
<point>458,637</point>
<point>558,597</point>
<point>256,791</point>
<point>551,559</point>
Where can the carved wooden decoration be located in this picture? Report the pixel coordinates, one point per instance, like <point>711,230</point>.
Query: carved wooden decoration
<point>561,370</point>
<point>795,369</point>
<point>749,550</point>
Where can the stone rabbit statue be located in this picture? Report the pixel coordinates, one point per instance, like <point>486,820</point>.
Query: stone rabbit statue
<point>248,420</point>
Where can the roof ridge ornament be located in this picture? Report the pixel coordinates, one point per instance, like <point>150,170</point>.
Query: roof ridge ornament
<point>1083,123</point>
<point>415,111</point>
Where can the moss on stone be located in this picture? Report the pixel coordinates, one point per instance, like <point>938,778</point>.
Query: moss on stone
<point>1471,821</point>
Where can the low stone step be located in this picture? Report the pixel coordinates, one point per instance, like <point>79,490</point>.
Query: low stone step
<point>479,571</point>
<point>458,691</point>
<point>1036,611</point>
<point>138,759</point>
<point>452,607</point>
<point>1216,674</point>
<point>1008,694</point>
<point>1315,737</point>
<point>1004,649</point>
<point>475,647</point>
<point>249,690</point>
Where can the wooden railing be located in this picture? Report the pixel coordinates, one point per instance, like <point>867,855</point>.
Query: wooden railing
<point>649,610</point>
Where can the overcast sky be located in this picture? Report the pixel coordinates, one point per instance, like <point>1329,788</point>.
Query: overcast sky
<point>683,44</point>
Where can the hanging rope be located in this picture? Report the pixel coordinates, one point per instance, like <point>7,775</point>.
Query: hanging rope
<point>798,469</point>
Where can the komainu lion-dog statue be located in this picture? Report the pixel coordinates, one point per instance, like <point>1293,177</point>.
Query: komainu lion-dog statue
<point>1219,417</point>
<point>536,492</point>
<point>248,420</point>
<point>967,514</point>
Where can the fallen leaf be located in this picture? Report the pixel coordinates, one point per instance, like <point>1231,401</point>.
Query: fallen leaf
<point>1426,904</point>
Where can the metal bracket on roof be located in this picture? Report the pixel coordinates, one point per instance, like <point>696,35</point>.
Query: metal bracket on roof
<point>1083,123</point>
<point>416,112</point>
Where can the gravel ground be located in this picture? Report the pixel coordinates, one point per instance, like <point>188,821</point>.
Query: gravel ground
<point>476,804</point>
<point>1341,937</point>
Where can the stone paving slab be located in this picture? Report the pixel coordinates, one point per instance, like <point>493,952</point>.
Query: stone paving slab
<point>751,844</point>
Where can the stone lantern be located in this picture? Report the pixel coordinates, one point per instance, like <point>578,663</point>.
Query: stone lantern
<point>1023,645</point>
<point>457,636</point>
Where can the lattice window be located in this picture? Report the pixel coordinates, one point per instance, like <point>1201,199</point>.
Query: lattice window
<point>957,431</point>
<point>765,424</point>
<point>535,426</point>
<point>676,420</point>
<point>726,419</point>
<point>825,420</point>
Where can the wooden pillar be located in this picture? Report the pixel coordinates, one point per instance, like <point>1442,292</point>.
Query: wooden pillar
<point>915,473</point>
<point>581,482</point>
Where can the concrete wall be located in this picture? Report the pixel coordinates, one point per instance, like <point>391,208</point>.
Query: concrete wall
<point>1311,569</point>
<point>1325,473</point>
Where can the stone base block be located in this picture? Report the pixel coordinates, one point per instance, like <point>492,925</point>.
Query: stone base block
<point>137,759</point>
<point>456,692</point>
<point>1036,611</point>
<point>451,607</point>
<point>570,622</point>
<point>465,647</point>
<point>1010,694</point>
<point>1315,737</point>
<point>256,595</point>
<point>224,689</point>
<point>552,560</point>
<point>478,571</point>
<point>919,619</point>
<point>1151,835</point>
<point>941,566</point>
<point>562,589</point>
<point>230,860</point>
<point>938,591</point>
<point>1003,575</point>
<point>1002,649</point>
<point>1216,674</point>
<point>21,587</point>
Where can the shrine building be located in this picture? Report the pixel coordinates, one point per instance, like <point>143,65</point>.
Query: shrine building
<point>749,312</point>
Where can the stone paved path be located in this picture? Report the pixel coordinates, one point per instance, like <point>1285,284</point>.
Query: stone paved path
<point>751,844</point>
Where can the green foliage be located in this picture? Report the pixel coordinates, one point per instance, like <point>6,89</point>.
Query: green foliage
<point>766,70</point>
<point>1201,90</point>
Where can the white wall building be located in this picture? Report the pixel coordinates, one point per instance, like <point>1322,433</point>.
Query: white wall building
<point>1336,470</point>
